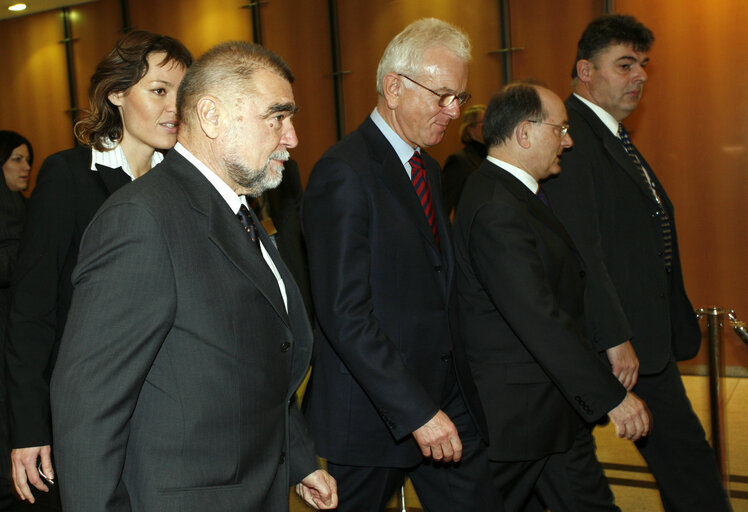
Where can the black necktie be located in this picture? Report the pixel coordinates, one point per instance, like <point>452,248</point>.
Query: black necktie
<point>246,219</point>
<point>665,226</point>
<point>541,195</point>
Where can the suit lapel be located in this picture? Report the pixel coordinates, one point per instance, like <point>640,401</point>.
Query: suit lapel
<point>226,232</point>
<point>296,317</point>
<point>113,179</point>
<point>612,145</point>
<point>395,178</point>
<point>534,205</point>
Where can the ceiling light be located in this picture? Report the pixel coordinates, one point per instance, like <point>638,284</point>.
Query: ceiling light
<point>17,7</point>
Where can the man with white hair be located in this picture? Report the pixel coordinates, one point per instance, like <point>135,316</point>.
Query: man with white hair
<point>391,393</point>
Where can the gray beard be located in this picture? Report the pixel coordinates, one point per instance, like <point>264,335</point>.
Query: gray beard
<point>255,181</point>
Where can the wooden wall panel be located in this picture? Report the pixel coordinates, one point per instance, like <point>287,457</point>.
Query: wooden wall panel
<point>298,30</point>
<point>549,52</point>
<point>198,24</point>
<point>691,126</point>
<point>34,95</point>
<point>367,27</point>
<point>96,26</point>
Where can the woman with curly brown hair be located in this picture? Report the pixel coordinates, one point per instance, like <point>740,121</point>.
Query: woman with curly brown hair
<point>132,115</point>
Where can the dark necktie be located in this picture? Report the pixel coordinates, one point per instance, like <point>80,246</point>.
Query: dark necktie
<point>665,225</point>
<point>421,184</point>
<point>246,219</point>
<point>544,198</point>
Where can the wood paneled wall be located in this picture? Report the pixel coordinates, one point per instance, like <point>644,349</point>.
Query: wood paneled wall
<point>691,123</point>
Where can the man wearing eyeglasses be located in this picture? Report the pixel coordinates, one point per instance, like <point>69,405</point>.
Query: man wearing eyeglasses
<point>622,220</point>
<point>520,286</point>
<point>391,393</point>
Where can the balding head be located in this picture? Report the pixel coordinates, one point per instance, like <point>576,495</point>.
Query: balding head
<point>235,107</point>
<point>226,71</point>
<point>526,125</point>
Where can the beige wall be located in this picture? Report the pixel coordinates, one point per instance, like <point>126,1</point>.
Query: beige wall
<point>691,124</point>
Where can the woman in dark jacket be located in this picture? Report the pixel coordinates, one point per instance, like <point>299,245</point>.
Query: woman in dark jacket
<point>132,114</point>
<point>16,157</point>
<point>460,165</point>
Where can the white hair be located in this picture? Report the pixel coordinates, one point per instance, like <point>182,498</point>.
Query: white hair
<point>404,53</point>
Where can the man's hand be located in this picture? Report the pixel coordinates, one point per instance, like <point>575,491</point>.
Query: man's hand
<point>319,490</point>
<point>625,364</point>
<point>23,463</point>
<point>631,418</point>
<point>439,439</point>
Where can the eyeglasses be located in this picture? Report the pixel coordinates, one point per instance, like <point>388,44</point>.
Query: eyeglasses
<point>563,128</point>
<point>445,99</point>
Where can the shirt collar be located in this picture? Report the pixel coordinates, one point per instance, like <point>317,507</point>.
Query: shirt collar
<point>403,149</point>
<point>114,158</point>
<point>523,176</point>
<point>607,119</point>
<point>232,199</point>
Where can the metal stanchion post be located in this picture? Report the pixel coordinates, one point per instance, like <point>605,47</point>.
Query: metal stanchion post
<point>714,318</point>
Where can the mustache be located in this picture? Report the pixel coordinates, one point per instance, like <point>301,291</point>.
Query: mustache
<point>282,155</point>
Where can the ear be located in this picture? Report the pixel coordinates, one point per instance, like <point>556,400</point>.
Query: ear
<point>584,70</point>
<point>392,88</point>
<point>522,134</point>
<point>208,110</point>
<point>115,98</point>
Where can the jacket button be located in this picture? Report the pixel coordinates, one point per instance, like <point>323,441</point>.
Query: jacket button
<point>438,268</point>
<point>285,346</point>
<point>582,274</point>
<point>446,357</point>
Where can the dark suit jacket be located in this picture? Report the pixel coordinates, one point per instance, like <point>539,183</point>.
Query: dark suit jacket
<point>520,284</point>
<point>456,170</point>
<point>174,386</point>
<point>66,196</point>
<point>610,212</point>
<point>383,295</point>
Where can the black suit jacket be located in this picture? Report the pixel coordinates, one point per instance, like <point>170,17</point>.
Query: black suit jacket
<point>66,196</point>
<point>520,284</point>
<point>456,170</point>
<point>383,296</point>
<point>610,212</point>
<point>174,386</point>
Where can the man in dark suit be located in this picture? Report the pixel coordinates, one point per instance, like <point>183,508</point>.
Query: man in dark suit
<point>187,335</point>
<point>621,219</point>
<point>390,392</point>
<point>520,285</point>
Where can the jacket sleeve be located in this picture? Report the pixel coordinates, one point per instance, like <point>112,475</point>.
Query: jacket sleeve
<point>123,306</point>
<point>301,447</point>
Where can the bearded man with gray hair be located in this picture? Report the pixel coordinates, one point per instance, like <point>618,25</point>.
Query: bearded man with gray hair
<point>391,393</point>
<point>187,336</point>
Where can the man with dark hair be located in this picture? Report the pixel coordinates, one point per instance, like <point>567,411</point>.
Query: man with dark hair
<point>187,335</point>
<point>621,219</point>
<point>391,393</point>
<point>520,285</point>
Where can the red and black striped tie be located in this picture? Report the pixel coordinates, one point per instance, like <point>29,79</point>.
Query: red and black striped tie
<point>421,184</point>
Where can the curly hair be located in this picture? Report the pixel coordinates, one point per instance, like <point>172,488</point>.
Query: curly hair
<point>119,70</point>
